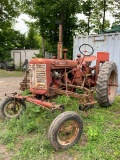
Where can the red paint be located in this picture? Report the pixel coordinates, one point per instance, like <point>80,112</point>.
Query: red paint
<point>102,56</point>
<point>39,102</point>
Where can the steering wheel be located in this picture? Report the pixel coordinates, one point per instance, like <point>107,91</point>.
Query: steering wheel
<point>84,49</point>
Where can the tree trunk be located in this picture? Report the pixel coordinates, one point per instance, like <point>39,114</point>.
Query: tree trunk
<point>43,46</point>
<point>89,18</point>
<point>89,24</point>
<point>104,6</point>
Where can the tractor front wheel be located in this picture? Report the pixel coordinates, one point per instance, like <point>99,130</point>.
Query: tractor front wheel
<point>11,107</point>
<point>107,82</point>
<point>65,130</point>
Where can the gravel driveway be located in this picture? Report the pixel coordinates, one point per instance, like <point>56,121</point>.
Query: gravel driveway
<point>9,85</point>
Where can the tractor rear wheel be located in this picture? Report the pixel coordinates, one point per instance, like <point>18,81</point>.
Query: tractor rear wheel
<point>107,81</point>
<point>65,130</point>
<point>11,108</point>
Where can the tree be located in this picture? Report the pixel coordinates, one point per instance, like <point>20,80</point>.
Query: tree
<point>95,12</point>
<point>101,8</point>
<point>48,13</point>
<point>116,12</point>
<point>32,39</point>
<point>87,8</point>
<point>10,39</point>
<point>8,12</point>
<point>82,27</point>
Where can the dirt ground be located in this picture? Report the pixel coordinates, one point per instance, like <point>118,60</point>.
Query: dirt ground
<point>8,85</point>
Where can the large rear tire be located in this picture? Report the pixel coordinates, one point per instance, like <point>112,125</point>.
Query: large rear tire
<point>107,81</point>
<point>65,130</point>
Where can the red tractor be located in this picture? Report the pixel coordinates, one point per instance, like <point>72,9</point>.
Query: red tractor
<point>50,77</point>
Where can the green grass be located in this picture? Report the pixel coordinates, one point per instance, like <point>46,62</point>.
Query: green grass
<point>27,137</point>
<point>4,73</point>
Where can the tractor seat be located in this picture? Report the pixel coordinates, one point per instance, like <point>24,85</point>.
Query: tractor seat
<point>89,59</point>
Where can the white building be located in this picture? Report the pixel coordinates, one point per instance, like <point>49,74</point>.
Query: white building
<point>19,55</point>
<point>109,42</point>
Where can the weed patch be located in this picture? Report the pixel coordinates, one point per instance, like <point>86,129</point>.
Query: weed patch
<point>27,137</point>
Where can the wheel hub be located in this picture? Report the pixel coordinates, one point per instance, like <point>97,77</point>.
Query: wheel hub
<point>68,132</point>
<point>12,109</point>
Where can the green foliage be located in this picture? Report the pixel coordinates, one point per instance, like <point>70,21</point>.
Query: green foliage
<point>30,148</point>
<point>80,91</point>
<point>9,137</point>
<point>92,133</point>
<point>39,55</point>
<point>82,27</point>
<point>43,33</point>
<point>48,15</point>
<point>26,137</point>
<point>95,16</point>
<point>32,39</point>
<point>25,92</point>
<point>9,10</point>
<point>116,12</point>
<point>10,39</point>
<point>99,15</point>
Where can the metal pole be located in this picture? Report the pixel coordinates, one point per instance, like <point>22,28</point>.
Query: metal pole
<point>60,32</point>
<point>60,47</point>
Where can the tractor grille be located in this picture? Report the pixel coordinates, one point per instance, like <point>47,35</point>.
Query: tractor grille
<point>38,76</point>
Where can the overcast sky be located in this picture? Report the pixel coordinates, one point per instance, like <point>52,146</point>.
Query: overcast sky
<point>22,27</point>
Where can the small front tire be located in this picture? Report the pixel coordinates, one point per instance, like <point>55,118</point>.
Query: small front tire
<point>11,107</point>
<point>65,130</point>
